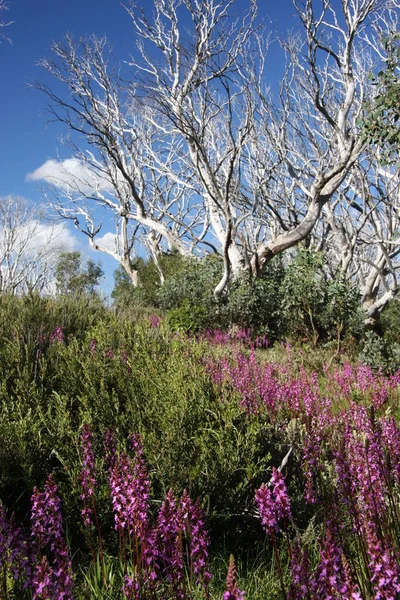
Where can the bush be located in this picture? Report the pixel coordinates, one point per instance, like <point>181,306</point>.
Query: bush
<point>256,304</point>
<point>133,377</point>
<point>316,308</point>
<point>146,293</point>
<point>296,302</point>
<point>379,354</point>
<point>389,323</point>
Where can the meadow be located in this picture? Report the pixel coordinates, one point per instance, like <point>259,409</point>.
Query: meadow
<point>143,463</point>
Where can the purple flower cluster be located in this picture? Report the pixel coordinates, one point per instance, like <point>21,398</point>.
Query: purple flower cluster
<point>93,347</point>
<point>232,592</point>
<point>158,552</point>
<point>169,529</point>
<point>243,337</point>
<point>57,335</point>
<point>331,579</point>
<point>273,503</point>
<point>87,477</point>
<point>52,577</point>
<point>300,586</point>
<point>384,566</point>
<point>154,321</point>
<point>266,385</point>
<point>199,544</point>
<point>15,551</point>
<point>130,492</point>
<point>274,387</point>
<point>109,353</point>
<point>352,381</point>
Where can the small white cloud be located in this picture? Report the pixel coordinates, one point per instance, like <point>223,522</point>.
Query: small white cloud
<point>56,238</point>
<point>29,252</point>
<point>69,175</point>
<point>35,238</point>
<point>108,241</point>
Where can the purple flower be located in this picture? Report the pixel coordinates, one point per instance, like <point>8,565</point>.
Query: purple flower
<point>15,550</point>
<point>384,565</point>
<point>266,508</point>
<point>232,591</point>
<point>391,437</point>
<point>300,570</point>
<point>43,581</point>
<point>282,500</point>
<point>193,516</point>
<point>273,506</point>
<point>154,321</point>
<point>331,579</point>
<point>93,347</point>
<point>169,526</point>
<point>87,477</point>
<point>130,491</point>
<point>125,360</point>
<point>57,335</point>
<point>131,588</point>
<point>50,580</point>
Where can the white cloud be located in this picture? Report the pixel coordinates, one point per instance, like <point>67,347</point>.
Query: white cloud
<point>107,241</point>
<point>69,175</point>
<point>56,238</point>
<point>29,252</point>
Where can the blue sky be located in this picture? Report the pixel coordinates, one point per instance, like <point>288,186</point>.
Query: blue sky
<point>27,141</point>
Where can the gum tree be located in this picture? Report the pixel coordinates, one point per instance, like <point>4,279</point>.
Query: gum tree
<point>29,248</point>
<point>361,237</point>
<point>191,150</point>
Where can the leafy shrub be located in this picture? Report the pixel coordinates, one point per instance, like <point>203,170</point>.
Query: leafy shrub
<point>146,294</point>
<point>379,354</point>
<point>389,323</point>
<point>213,420</point>
<point>316,307</point>
<point>133,377</point>
<point>256,304</point>
<point>296,302</point>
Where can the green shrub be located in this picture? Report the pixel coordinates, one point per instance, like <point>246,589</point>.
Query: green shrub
<point>314,307</point>
<point>256,303</point>
<point>146,293</point>
<point>133,377</point>
<point>389,323</point>
<point>379,354</point>
<point>296,302</point>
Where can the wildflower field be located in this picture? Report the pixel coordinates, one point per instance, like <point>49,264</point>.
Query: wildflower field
<point>140,463</point>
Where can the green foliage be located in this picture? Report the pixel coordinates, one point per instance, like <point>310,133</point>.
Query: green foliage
<point>257,303</point>
<point>315,307</point>
<point>146,293</point>
<point>139,376</point>
<point>193,282</point>
<point>188,299</point>
<point>381,124</point>
<point>296,302</point>
<point>188,318</point>
<point>73,279</point>
<point>303,295</point>
<point>133,377</point>
<point>123,293</point>
<point>188,295</point>
<point>380,349</point>
<point>390,322</point>
<point>379,354</point>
